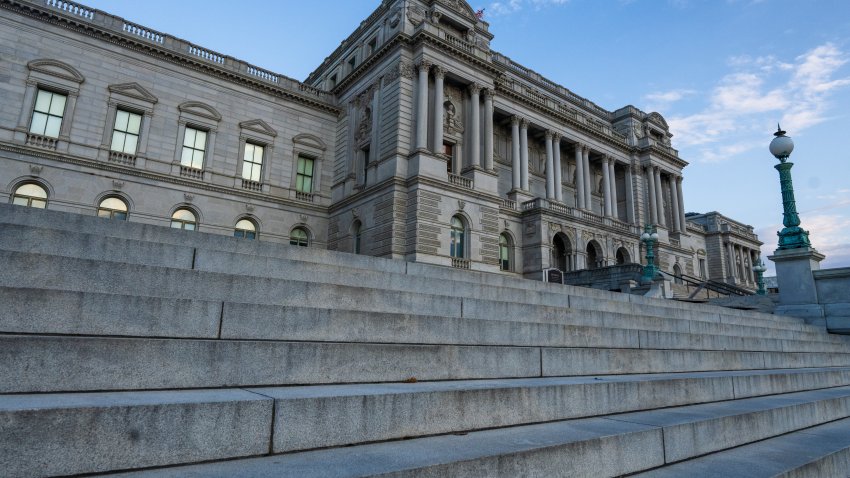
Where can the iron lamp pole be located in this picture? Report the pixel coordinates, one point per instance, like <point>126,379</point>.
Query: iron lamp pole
<point>759,269</point>
<point>649,237</point>
<point>792,236</point>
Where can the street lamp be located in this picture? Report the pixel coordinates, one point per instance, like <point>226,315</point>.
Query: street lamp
<point>792,236</point>
<point>759,269</point>
<point>649,237</point>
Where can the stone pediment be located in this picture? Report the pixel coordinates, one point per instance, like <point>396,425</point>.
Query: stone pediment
<point>258,126</point>
<point>56,68</point>
<point>656,118</point>
<point>459,6</point>
<point>305,139</point>
<point>133,90</point>
<point>200,109</point>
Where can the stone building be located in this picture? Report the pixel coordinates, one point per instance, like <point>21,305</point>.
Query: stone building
<point>412,140</point>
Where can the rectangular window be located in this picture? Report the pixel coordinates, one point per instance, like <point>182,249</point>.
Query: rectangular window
<point>352,63</point>
<point>702,272</point>
<point>194,146</point>
<point>449,150</point>
<point>125,134</point>
<point>371,46</point>
<point>304,176</point>
<point>252,162</point>
<point>47,114</point>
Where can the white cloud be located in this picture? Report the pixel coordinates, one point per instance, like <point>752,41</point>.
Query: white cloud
<point>507,7</point>
<point>750,98</point>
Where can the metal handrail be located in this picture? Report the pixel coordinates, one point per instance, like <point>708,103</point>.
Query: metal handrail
<point>710,285</point>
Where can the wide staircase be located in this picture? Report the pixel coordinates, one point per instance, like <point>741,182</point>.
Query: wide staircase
<point>135,349</point>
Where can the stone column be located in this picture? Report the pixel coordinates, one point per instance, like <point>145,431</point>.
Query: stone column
<point>422,106</point>
<point>588,187</point>
<point>550,167</point>
<point>606,186</point>
<point>659,198</point>
<point>475,131</point>
<point>523,152</point>
<point>488,130</point>
<point>615,211</point>
<point>515,154</point>
<point>439,75</point>
<point>674,203</point>
<point>630,196</point>
<point>753,259</point>
<point>559,187</point>
<point>681,204</point>
<point>579,178</point>
<point>653,207</point>
<point>730,254</point>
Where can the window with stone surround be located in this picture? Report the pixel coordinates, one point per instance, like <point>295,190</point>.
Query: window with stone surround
<point>457,239</point>
<point>125,132</point>
<point>245,229</point>
<point>112,208</point>
<point>47,113</point>
<point>304,174</point>
<point>194,148</point>
<point>30,195</point>
<point>299,237</point>
<point>357,236</point>
<point>184,219</point>
<point>252,162</point>
<point>505,252</point>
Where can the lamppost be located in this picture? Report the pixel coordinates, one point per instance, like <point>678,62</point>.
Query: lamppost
<point>792,236</point>
<point>759,269</point>
<point>649,237</point>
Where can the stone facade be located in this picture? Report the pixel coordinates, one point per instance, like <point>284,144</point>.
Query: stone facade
<point>411,126</point>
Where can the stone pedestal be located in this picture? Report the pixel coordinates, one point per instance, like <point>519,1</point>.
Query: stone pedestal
<point>797,292</point>
<point>520,197</point>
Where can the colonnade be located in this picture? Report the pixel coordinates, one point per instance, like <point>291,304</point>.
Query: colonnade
<point>655,192</point>
<point>740,254</point>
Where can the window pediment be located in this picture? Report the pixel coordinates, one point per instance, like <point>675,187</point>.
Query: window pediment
<point>310,140</point>
<point>258,126</point>
<point>133,90</point>
<point>199,109</point>
<point>56,69</point>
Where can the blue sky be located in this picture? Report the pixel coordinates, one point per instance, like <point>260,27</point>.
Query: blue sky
<point>722,72</point>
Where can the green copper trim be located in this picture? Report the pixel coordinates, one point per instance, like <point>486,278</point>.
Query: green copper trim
<point>649,270</point>
<point>792,236</point>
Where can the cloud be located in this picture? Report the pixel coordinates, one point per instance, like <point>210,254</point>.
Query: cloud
<point>748,100</point>
<point>660,100</point>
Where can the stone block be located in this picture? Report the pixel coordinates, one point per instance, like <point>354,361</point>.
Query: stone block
<point>62,434</point>
<point>54,364</point>
<point>564,361</point>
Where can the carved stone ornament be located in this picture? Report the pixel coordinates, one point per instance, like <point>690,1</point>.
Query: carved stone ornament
<point>461,204</point>
<point>116,184</point>
<point>415,14</point>
<point>355,213</point>
<point>554,227</point>
<point>35,169</point>
<point>188,197</point>
<point>303,217</point>
<point>249,207</point>
<point>394,18</point>
<point>364,128</point>
<point>506,223</point>
<point>406,70</point>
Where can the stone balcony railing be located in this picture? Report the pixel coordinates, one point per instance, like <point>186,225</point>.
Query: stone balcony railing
<point>190,172</point>
<point>252,185</point>
<point>122,158</point>
<point>120,26</point>
<point>306,197</point>
<point>508,204</point>
<point>41,141</point>
<point>461,181</point>
<point>461,263</point>
<point>581,214</point>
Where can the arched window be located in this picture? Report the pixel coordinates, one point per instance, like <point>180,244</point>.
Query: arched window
<point>594,255</point>
<point>677,273</point>
<point>112,208</point>
<point>299,237</point>
<point>458,236</point>
<point>30,195</point>
<point>623,256</point>
<point>246,229</point>
<point>505,252</point>
<point>184,219</point>
<point>357,236</point>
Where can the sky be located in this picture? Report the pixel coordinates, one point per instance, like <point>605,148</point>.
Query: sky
<point>722,72</point>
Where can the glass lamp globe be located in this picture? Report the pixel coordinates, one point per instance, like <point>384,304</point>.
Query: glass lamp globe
<point>644,237</point>
<point>781,146</point>
<point>654,236</point>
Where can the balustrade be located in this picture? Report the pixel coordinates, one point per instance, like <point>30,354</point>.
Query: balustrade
<point>143,32</point>
<point>72,8</point>
<point>41,141</point>
<point>122,158</point>
<point>461,181</point>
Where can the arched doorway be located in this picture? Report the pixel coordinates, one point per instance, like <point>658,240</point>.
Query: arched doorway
<point>595,259</point>
<point>562,250</point>
<point>677,273</point>
<point>623,256</point>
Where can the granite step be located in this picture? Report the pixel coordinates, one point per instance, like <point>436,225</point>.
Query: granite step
<point>602,446</point>
<point>34,363</point>
<point>819,451</point>
<point>99,228</point>
<point>39,311</point>
<point>143,429</point>
<point>28,270</point>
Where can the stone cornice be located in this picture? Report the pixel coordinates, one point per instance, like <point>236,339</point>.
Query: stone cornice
<point>226,68</point>
<point>159,177</point>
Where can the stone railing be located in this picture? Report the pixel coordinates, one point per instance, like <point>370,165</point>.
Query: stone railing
<point>508,204</point>
<point>142,32</point>
<point>461,181</point>
<point>306,197</point>
<point>581,214</point>
<point>460,263</point>
<point>122,158</point>
<point>739,230</point>
<point>71,8</point>
<point>190,172</point>
<point>41,141</point>
<point>694,227</point>
<point>117,25</point>
<point>252,185</point>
